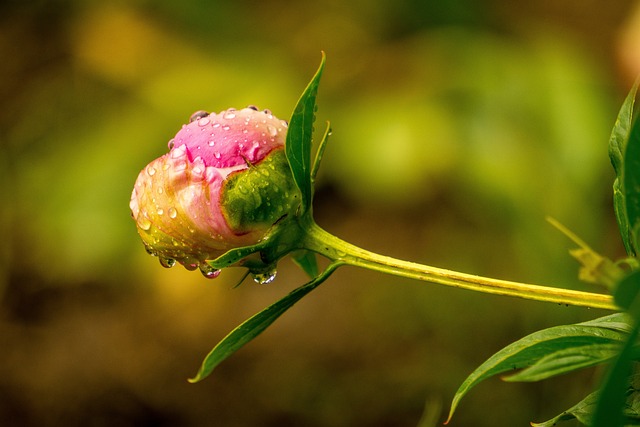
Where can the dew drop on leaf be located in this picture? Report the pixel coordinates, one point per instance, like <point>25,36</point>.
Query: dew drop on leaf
<point>264,278</point>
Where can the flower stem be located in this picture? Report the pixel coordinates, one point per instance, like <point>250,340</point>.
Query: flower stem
<point>326,244</point>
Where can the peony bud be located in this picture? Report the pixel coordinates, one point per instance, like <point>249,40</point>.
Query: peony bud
<point>224,183</point>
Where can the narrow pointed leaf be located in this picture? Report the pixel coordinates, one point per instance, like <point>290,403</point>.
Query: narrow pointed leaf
<point>299,138</point>
<point>526,352</point>
<point>617,153</point>
<point>255,325</point>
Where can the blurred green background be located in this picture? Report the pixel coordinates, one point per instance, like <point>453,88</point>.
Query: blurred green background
<point>457,127</point>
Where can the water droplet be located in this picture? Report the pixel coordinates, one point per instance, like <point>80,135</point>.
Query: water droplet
<point>160,190</point>
<point>264,278</point>
<point>190,265</point>
<point>173,212</point>
<point>230,114</point>
<point>181,151</point>
<point>150,251</point>
<point>143,222</point>
<point>216,155</point>
<point>160,211</point>
<point>225,127</point>
<point>151,170</point>
<point>208,271</point>
<point>167,262</point>
<point>272,130</point>
<point>212,143</point>
<point>198,115</point>
<point>252,107</point>
<point>204,121</point>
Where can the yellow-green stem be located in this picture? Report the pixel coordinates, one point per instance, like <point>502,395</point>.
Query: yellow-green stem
<point>324,243</point>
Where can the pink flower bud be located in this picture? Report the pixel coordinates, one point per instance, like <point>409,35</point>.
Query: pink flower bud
<point>222,185</point>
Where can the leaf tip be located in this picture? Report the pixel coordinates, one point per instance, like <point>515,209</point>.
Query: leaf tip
<point>193,380</point>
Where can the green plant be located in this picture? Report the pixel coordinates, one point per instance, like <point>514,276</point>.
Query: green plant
<point>276,220</point>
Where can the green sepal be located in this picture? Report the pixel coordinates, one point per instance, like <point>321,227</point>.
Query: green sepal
<point>260,195</point>
<point>320,152</point>
<point>307,261</point>
<point>300,139</point>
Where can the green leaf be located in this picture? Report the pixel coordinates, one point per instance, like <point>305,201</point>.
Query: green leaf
<point>542,345</point>
<point>632,187</point>
<point>609,410</point>
<point>300,138</point>
<point>307,261</point>
<point>617,153</point>
<point>582,411</point>
<point>255,325</point>
<point>628,290</point>
<point>567,360</point>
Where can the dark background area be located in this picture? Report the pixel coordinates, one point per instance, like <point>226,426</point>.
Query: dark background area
<point>457,127</point>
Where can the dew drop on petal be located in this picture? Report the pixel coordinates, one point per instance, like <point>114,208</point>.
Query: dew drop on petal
<point>272,130</point>
<point>144,223</point>
<point>173,212</point>
<point>167,262</point>
<point>171,143</point>
<point>204,121</point>
<point>151,170</point>
<point>160,211</point>
<point>208,271</point>
<point>229,115</point>
<point>190,267</point>
<point>198,115</point>
<point>225,127</point>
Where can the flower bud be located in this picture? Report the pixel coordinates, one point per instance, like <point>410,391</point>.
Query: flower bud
<point>224,183</point>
